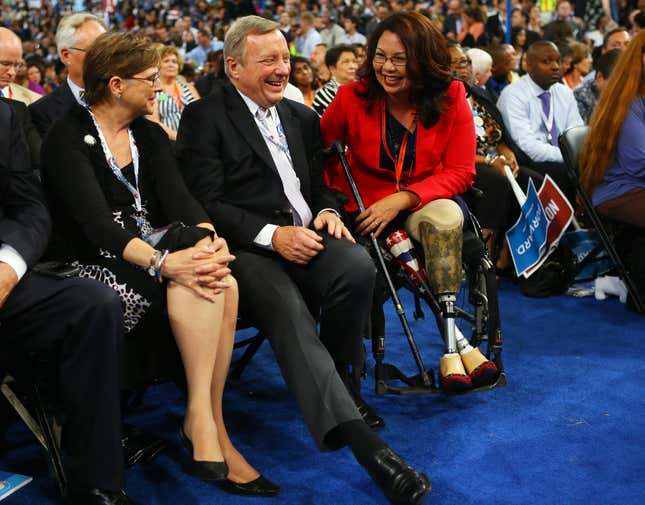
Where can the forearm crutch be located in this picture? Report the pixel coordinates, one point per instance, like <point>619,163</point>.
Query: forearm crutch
<point>339,149</point>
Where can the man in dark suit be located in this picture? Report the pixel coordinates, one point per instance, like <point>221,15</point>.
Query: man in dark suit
<point>74,35</point>
<point>253,160</point>
<point>79,321</point>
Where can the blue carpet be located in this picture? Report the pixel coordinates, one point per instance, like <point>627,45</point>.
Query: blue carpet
<point>569,428</point>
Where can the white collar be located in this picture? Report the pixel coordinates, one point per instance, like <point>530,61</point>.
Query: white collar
<point>253,107</point>
<point>76,90</point>
<point>535,88</point>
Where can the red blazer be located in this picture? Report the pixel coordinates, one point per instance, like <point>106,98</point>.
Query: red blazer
<point>445,153</point>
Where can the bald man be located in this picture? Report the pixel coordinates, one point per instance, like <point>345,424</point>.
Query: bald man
<point>74,35</point>
<point>10,61</point>
<point>537,108</point>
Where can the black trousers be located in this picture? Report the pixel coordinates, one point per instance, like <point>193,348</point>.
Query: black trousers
<point>278,297</point>
<point>81,321</point>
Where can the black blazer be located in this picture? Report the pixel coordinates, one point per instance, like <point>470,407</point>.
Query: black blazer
<point>29,130</point>
<point>229,168</point>
<point>50,108</point>
<point>483,97</point>
<point>24,220</point>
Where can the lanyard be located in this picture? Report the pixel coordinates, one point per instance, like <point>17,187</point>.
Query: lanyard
<point>280,142</point>
<point>134,190</point>
<point>398,163</point>
<point>548,121</point>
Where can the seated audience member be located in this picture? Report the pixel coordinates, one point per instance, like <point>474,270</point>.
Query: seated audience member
<point>32,138</point>
<point>410,134</point>
<point>331,33</point>
<point>113,188</point>
<point>352,36</point>
<point>302,76</point>
<point>317,60</point>
<point>480,64</point>
<point>253,160</point>
<point>74,36</point>
<point>35,70</point>
<point>587,93</point>
<point>519,43</point>
<point>454,23</point>
<point>537,108</point>
<point>88,338</point>
<point>580,65</point>
<point>497,209</point>
<point>175,94</point>
<point>613,162</point>
<point>474,34</point>
<point>361,53</point>
<point>213,73</point>
<point>618,38</point>
<point>342,63</point>
<point>308,37</point>
<point>503,64</point>
<point>11,64</point>
<point>205,44</point>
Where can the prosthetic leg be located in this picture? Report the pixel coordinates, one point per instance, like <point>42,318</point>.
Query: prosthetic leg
<point>462,366</point>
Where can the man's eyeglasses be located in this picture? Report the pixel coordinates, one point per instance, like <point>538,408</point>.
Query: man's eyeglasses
<point>18,65</point>
<point>78,49</point>
<point>397,61</point>
<point>150,80</point>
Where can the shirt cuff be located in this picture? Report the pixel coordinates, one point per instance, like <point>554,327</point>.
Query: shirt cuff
<point>263,239</point>
<point>334,211</point>
<point>13,258</point>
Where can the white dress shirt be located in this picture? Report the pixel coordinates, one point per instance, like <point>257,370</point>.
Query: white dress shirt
<point>76,91</point>
<point>521,110</point>
<point>13,258</point>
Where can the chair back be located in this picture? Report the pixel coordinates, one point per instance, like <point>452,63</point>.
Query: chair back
<point>571,142</point>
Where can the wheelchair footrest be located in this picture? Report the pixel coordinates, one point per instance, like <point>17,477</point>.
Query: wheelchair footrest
<point>415,385</point>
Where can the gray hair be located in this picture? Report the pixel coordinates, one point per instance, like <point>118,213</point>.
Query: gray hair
<point>66,30</point>
<point>235,39</point>
<point>481,60</point>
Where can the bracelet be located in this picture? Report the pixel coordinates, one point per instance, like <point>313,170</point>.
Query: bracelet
<point>161,260</point>
<point>152,270</point>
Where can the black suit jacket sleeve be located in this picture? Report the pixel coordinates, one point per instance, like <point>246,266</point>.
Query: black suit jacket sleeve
<point>31,134</point>
<point>24,221</point>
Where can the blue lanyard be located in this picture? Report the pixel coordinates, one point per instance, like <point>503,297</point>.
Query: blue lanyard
<point>281,142</point>
<point>111,160</point>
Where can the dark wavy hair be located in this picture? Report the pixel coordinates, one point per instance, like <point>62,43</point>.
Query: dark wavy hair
<point>428,67</point>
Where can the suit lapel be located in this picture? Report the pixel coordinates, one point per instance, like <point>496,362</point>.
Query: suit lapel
<point>243,121</point>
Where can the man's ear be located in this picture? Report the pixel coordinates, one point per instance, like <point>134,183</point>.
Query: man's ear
<point>233,67</point>
<point>64,55</point>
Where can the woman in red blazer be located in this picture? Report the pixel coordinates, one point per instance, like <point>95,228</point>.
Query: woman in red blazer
<point>411,140</point>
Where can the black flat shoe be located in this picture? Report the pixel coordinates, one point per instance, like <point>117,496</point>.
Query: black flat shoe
<point>353,385</point>
<point>205,470</point>
<point>401,484</point>
<point>139,446</point>
<point>260,487</point>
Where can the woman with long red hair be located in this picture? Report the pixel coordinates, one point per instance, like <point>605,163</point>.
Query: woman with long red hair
<point>613,163</point>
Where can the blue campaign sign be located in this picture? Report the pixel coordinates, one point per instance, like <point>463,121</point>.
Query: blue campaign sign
<point>527,238</point>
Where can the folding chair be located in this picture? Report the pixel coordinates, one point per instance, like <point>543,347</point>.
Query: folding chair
<point>571,142</point>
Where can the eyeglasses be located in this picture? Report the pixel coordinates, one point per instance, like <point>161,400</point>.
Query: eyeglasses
<point>150,80</point>
<point>397,61</point>
<point>78,49</point>
<point>18,65</point>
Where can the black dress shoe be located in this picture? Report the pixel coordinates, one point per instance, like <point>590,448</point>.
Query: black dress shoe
<point>401,484</point>
<point>259,487</point>
<point>205,470</point>
<point>98,497</point>
<point>139,446</point>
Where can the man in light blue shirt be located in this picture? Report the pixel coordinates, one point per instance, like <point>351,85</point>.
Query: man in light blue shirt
<point>537,108</point>
<point>205,44</point>
<point>308,37</point>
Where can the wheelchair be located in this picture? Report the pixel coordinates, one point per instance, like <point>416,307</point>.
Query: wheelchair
<point>481,294</point>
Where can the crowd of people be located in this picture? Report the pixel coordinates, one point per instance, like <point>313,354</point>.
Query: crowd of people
<point>179,146</point>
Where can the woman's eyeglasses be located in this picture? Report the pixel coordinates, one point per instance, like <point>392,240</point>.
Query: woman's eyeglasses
<point>150,80</point>
<point>397,61</point>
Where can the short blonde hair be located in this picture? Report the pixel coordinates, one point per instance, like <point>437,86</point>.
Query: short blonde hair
<point>115,54</point>
<point>165,51</point>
